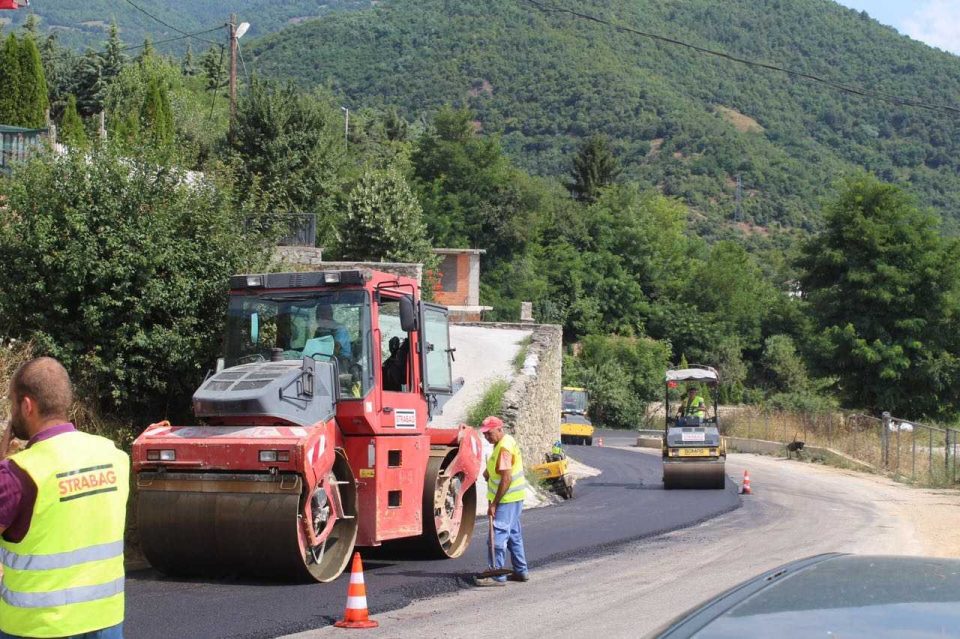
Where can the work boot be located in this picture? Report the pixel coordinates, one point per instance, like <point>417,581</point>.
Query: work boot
<point>518,576</point>
<point>487,581</point>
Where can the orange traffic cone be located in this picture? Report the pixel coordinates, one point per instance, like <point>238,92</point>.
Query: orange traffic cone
<point>599,441</point>
<point>745,489</point>
<point>356,615</point>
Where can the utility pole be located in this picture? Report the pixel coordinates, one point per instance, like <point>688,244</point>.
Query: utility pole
<point>232,28</point>
<point>738,212</point>
<point>346,125</point>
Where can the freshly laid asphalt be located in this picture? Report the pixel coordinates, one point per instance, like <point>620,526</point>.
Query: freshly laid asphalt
<point>624,503</point>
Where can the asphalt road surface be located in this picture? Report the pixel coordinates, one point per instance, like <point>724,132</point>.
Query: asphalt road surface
<point>626,502</point>
<point>630,590</point>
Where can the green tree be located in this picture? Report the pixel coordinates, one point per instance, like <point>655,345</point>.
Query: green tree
<point>291,148</point>
<point>383,221</point>
<point>128,288</point>
<point>594,167</point>
<point>212,64</point>
<point>730,288</point>
<point>188,65</point>
<point>113,57</point>
<point>882,287</point>
<point>32,92</point>
<point>156,117</point>
<point>89,85</point>
<point>10,80</point>
<point>72,132</point>
<point>622,375</point>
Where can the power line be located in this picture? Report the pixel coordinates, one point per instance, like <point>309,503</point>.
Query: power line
<point>753,63</point>
<point>169,26</point>
<point>183,37</point>
<point>216,86</point>
<point>244,64</point>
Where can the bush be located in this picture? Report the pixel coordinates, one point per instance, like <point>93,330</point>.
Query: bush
<point>119,269</point>
<point>622,374</point>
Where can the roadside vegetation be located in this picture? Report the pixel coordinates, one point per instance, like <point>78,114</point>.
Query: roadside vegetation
<point>116,251</point>
<point>490,404</point>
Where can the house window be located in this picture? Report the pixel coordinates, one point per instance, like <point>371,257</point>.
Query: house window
<point>448,273</point>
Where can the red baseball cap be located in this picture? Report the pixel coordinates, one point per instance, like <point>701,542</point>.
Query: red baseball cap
<point>490,423</point>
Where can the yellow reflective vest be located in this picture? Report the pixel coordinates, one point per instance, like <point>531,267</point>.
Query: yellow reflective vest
<point>695,408</point>
<point>66,576</point>
<point>518,483</point>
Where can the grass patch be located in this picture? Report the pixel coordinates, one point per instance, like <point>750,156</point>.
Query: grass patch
<point>490,404</point>
<point>521,355</point>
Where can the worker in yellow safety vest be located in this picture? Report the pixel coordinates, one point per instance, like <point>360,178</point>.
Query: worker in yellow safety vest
<point>693,406</point>
<point>506,488</point>
<point>62,510</point>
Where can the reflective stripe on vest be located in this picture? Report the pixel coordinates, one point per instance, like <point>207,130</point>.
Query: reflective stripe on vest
<point>65,577</point>
<point>518,484</point>
<point>65,597</point>
<point>61,559</point>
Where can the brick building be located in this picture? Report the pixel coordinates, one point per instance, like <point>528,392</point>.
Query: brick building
<point>458,287</point>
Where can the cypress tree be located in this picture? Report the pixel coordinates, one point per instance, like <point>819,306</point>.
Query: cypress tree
<point>33,86</point>
<point>187,66</point>
<point>72,132</point>
<point>156,114</point>
<point>10,80</point>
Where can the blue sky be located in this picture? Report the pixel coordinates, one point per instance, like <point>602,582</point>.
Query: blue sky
<point>935,22</point>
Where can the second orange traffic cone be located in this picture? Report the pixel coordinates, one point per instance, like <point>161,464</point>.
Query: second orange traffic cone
<point>356,615</point>
<point>745,489</point>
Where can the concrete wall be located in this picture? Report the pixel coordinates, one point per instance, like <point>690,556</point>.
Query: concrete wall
<point>531,406</point>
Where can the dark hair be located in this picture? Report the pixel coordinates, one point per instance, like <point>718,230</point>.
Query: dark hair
<point>46,382</point>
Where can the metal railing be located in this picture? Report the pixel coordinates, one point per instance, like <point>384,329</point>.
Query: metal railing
<point>295,229</point>
<point>905,448</point>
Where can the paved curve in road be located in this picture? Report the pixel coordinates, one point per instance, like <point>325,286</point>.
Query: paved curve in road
<point>625,502</point>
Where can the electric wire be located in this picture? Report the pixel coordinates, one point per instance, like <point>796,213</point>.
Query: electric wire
<point>216,86</point>
<point>183,37</point>
<point>242,63</point>
<point>169,26</point>
<point>895,99</point>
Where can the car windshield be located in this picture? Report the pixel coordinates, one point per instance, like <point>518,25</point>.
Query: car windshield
<point>322,325</point>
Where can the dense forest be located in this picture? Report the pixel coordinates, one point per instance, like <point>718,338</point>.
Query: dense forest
<point>686,122</point>
<point>839,288</point>
<point>85,24</point>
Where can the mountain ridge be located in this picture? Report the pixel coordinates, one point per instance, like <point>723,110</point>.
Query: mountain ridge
<point>543,82</point>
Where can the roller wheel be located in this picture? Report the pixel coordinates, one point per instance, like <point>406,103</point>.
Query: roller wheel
<point>588,441</point>
<point>327,560</point>
<point>199,526</point>
<point>447,525</point>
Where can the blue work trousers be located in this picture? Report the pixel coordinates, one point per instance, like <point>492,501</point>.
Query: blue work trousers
<point>508,535</point>
<point>113,632</point>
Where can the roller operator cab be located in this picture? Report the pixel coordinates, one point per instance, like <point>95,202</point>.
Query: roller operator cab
<point>313,435</point>
<point>694,454</point>
<point>575,426</point>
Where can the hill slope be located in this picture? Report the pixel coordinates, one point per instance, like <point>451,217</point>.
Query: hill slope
<point>83,24</point>
<point>685,121</point>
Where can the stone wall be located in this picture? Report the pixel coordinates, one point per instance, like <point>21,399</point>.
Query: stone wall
<point>301,259</point>
<point>531,406</point>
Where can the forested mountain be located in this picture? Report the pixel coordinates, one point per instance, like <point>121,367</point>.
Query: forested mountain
<point>83,24</point>
<point>687,122</point>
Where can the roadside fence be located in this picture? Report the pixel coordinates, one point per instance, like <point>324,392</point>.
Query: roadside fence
<point>907,449</point>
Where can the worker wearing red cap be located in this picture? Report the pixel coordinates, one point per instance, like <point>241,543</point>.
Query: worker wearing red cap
<point>506,488</point>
